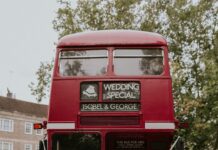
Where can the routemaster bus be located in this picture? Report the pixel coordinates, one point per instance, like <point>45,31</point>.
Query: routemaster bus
<point>111,90</point>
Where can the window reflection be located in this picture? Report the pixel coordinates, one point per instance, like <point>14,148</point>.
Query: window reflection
<point>138,52</point>
<point>126,141</point>
<point>83,63</point>
<point>138,62</point>
<point>126,62</point>
<point>151,66</point>
<point>76,141</point>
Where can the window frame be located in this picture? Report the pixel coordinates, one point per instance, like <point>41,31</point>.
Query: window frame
<point>138,56</point>
<point>11,146</point>
<point>83,57</point>
<point>36,146</point>
<point>10,125</point>
<point>70,133</point>
<point>28,148</point>
<point>31,128</point>
<point>39,133</point>
<point>110,63</point>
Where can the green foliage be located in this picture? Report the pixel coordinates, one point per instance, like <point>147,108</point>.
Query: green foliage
<point>190,27</point>
<point>41,88</point>
<point>95,15</point>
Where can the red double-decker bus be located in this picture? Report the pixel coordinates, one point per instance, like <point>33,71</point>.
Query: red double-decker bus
<point>111,90</point>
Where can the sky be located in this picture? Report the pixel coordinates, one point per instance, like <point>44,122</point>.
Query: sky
<point>26,38</point>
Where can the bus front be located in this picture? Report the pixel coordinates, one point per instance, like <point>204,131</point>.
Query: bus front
<point>111,90</point>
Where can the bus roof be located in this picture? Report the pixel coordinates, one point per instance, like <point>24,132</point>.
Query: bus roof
<point>111,38</point>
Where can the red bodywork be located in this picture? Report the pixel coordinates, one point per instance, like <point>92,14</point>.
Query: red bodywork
<point>155,100</point>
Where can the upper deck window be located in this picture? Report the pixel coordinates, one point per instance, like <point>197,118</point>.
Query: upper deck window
<point>138,61</point>
<point>83,62</point>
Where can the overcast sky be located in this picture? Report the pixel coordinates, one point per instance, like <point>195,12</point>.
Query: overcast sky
<point>26,39</point>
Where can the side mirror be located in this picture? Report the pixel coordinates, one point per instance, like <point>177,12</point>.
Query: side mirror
<point>43,145</point>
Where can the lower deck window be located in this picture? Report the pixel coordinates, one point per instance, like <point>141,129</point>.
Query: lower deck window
<point>77,141</point>
<point>137,141</point>
<point>126,141</point>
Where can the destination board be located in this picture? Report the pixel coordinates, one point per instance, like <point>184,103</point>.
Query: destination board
<point>121,90</point>
<point>109,106</point>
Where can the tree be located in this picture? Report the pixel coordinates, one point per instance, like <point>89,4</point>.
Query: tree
<point>41,88</point>
<point>190,28</point>
<point>211,90</point>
